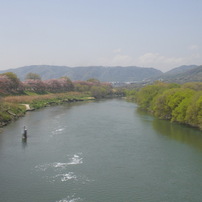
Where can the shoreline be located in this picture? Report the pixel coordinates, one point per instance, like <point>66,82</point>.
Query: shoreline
<point>10,115</point>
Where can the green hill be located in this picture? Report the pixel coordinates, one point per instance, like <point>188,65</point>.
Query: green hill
<point>182,74</point>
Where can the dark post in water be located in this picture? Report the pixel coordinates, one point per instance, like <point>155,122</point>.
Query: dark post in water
<point>24,134</point>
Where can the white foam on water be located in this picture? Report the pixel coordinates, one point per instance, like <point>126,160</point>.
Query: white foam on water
<point>57,131</point>
<point>42,167</point>
<point>60,170</point>
<point>67,176</point>
<point>55,166</point>
<point>63,177</point>
<point>60,165</point>
<point>76,159</point>
<point>71,199</point>
<point>70,176</point>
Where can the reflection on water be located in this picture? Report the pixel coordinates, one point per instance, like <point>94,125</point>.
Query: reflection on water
<point>182,133</point>
<point>175,131</point>
<point>24,143</point>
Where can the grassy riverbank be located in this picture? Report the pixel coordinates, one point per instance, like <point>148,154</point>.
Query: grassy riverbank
<point>34,93</point>
<point>13,107</point>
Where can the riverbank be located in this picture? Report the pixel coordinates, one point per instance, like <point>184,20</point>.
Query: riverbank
<point>14,107</point>
<point>10,112</point>
<point>178,103</point>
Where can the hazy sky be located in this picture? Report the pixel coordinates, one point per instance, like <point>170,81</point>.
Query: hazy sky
<point>149,33</point>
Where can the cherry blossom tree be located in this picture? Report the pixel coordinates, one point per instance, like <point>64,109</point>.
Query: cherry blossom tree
<point>34,85</point>
<point>9,83</point>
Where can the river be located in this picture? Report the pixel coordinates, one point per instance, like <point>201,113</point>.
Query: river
<point>101,151</point>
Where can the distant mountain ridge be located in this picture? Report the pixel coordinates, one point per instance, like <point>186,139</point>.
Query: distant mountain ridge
<point>109,74</point>
<point>181,69</point>
<point>183,74</point>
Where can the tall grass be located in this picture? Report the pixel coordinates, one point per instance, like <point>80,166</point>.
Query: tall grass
<point>28,99</point>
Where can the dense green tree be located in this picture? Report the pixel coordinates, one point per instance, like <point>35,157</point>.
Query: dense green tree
<point>184,99</point>
<point>82,86</point>
<point>147,95</point>
<point>93,80</point>
<point>194,111</point>
<point>173,103</point>
<point>197,86</point>
<point>98,91</point>
<point>32,76</point>
<point>161,108</point>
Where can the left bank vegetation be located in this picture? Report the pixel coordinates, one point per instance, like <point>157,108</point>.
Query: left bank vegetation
<point>34,92</point>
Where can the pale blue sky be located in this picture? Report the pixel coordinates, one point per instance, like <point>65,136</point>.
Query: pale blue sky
<point>149,33</point>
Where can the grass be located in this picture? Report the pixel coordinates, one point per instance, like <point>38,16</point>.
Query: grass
<point>27,99</point>
<point>11,106</point>
<point>10,111</point>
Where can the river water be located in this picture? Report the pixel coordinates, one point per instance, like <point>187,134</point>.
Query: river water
<point>102,151</point>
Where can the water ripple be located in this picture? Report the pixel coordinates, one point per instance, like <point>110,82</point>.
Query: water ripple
<point>73,160</point>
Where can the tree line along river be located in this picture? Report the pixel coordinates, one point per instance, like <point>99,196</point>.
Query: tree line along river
<point>99,151</point>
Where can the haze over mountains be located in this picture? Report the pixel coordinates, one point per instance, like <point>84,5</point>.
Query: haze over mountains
<point>112,74</point>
